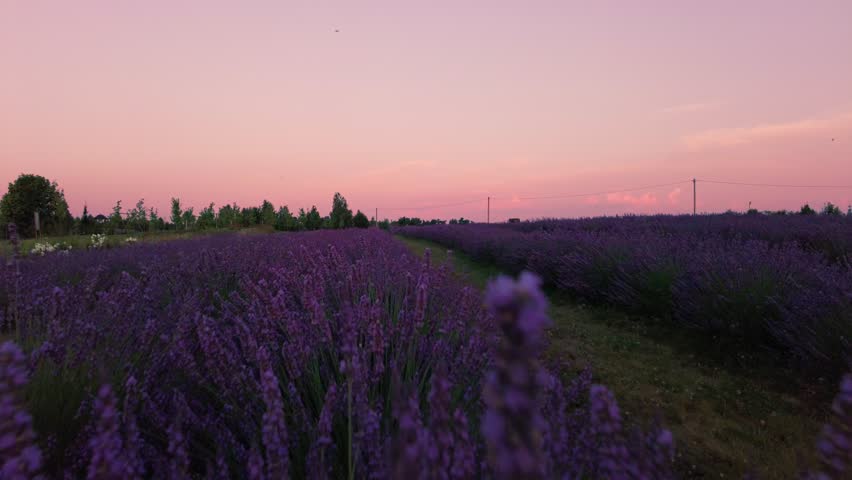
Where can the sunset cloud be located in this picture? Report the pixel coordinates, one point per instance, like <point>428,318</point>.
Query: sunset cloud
<point>729,137</point>
<point>674,196</point>
<point>628,199</point>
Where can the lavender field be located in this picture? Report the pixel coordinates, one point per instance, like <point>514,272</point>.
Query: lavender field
<point>333,354</point>
<point>757,282</point>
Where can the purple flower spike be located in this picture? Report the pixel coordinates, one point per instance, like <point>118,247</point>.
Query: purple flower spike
<point>512,424</point>
<point>20,458</point>
<point>274,430</point>
<point>108,460</point>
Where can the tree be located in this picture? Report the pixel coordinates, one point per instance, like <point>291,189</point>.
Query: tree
<point>360,220</point>
<point>849,210</point>
<point>188,219</point>
<point>228,216</point>
<point>806,210</point>
<point>177,213</point>
<point>267,213</point>
<point>830,209</point>
<point>137,219</point>
<point>116,222</point>
<point>285,220</point>
<point>154,219</point>
<point>312,219</point>
<point>86,221</point>
<point>207,218</point>
<point>341,215</point>
<point>33,193</point>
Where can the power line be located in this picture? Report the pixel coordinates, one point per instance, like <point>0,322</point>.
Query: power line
<point>433,206</point>
<point>775,185</point>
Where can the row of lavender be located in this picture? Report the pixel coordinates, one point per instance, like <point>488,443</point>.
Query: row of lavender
<point>755,291</point>
<point>320,355</point>
<point>829,235</point>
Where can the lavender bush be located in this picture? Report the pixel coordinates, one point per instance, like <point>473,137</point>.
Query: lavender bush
<point>321,355</point>
<point>778,282</point>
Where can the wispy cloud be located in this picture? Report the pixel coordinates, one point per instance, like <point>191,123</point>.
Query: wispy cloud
<point>692,107</point>
<point>674,196</point>
<point>627,199</point>
<point>728,137</point>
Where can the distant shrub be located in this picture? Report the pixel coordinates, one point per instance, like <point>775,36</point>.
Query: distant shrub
<point>830,209</point>
<point>360,220</point>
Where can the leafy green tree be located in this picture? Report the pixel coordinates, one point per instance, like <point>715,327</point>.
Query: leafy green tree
<point>229,216</point>
<point>341,215</point>
<point>830,209</point>
<point>267,213</point>
<point>33,193</point>
<point>86,221</point>
<point>177,214</point>
<point>250,216</point>
<point>806,210</point>
<point>313,220</point>
<point>284,220</point>
<point>154,219</point>
<point>207,218</point>
<point>188,218</point>
<point>137,219</point>
<point>360,220</point>
<point>116,221</point>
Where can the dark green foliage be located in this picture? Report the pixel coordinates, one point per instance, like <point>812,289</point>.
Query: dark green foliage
<point>310,220</point>
<point>87,223</point>
<point>33,193</point>
<point>137,219</point>
<point>806,210</point>
<point>830,209</point>
<point>267,213</point>
<point>177,214</point>
<point>360,220</point>
<point>188,219</point>
<point>341,215</point>
<point>207,218</point>
<point>116,222</point>
<point>284,220</point>
<point>228,216</point>
<point>155,222</point>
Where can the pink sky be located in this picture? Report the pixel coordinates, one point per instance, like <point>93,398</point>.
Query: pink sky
<point>430,103</point>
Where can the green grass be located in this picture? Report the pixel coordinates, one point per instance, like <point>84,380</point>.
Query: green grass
<point>730,416</point>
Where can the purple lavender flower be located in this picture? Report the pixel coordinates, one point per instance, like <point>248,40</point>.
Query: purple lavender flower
<point>274,429</point>
<point>107,449</point>
<point>20,457</point>
<point>317,457</point>
<point>512,424</point>
<point>254,468</point>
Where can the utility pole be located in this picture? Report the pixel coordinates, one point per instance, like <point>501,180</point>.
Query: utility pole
<point>693,196</point>
<point>377,216</point>
<point>488,217</point>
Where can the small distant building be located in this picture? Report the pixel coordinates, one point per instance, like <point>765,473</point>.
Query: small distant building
<point>514,220</point>
<point>100,218</point>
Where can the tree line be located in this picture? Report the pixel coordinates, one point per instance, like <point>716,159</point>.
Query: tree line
<point>33,193</point>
